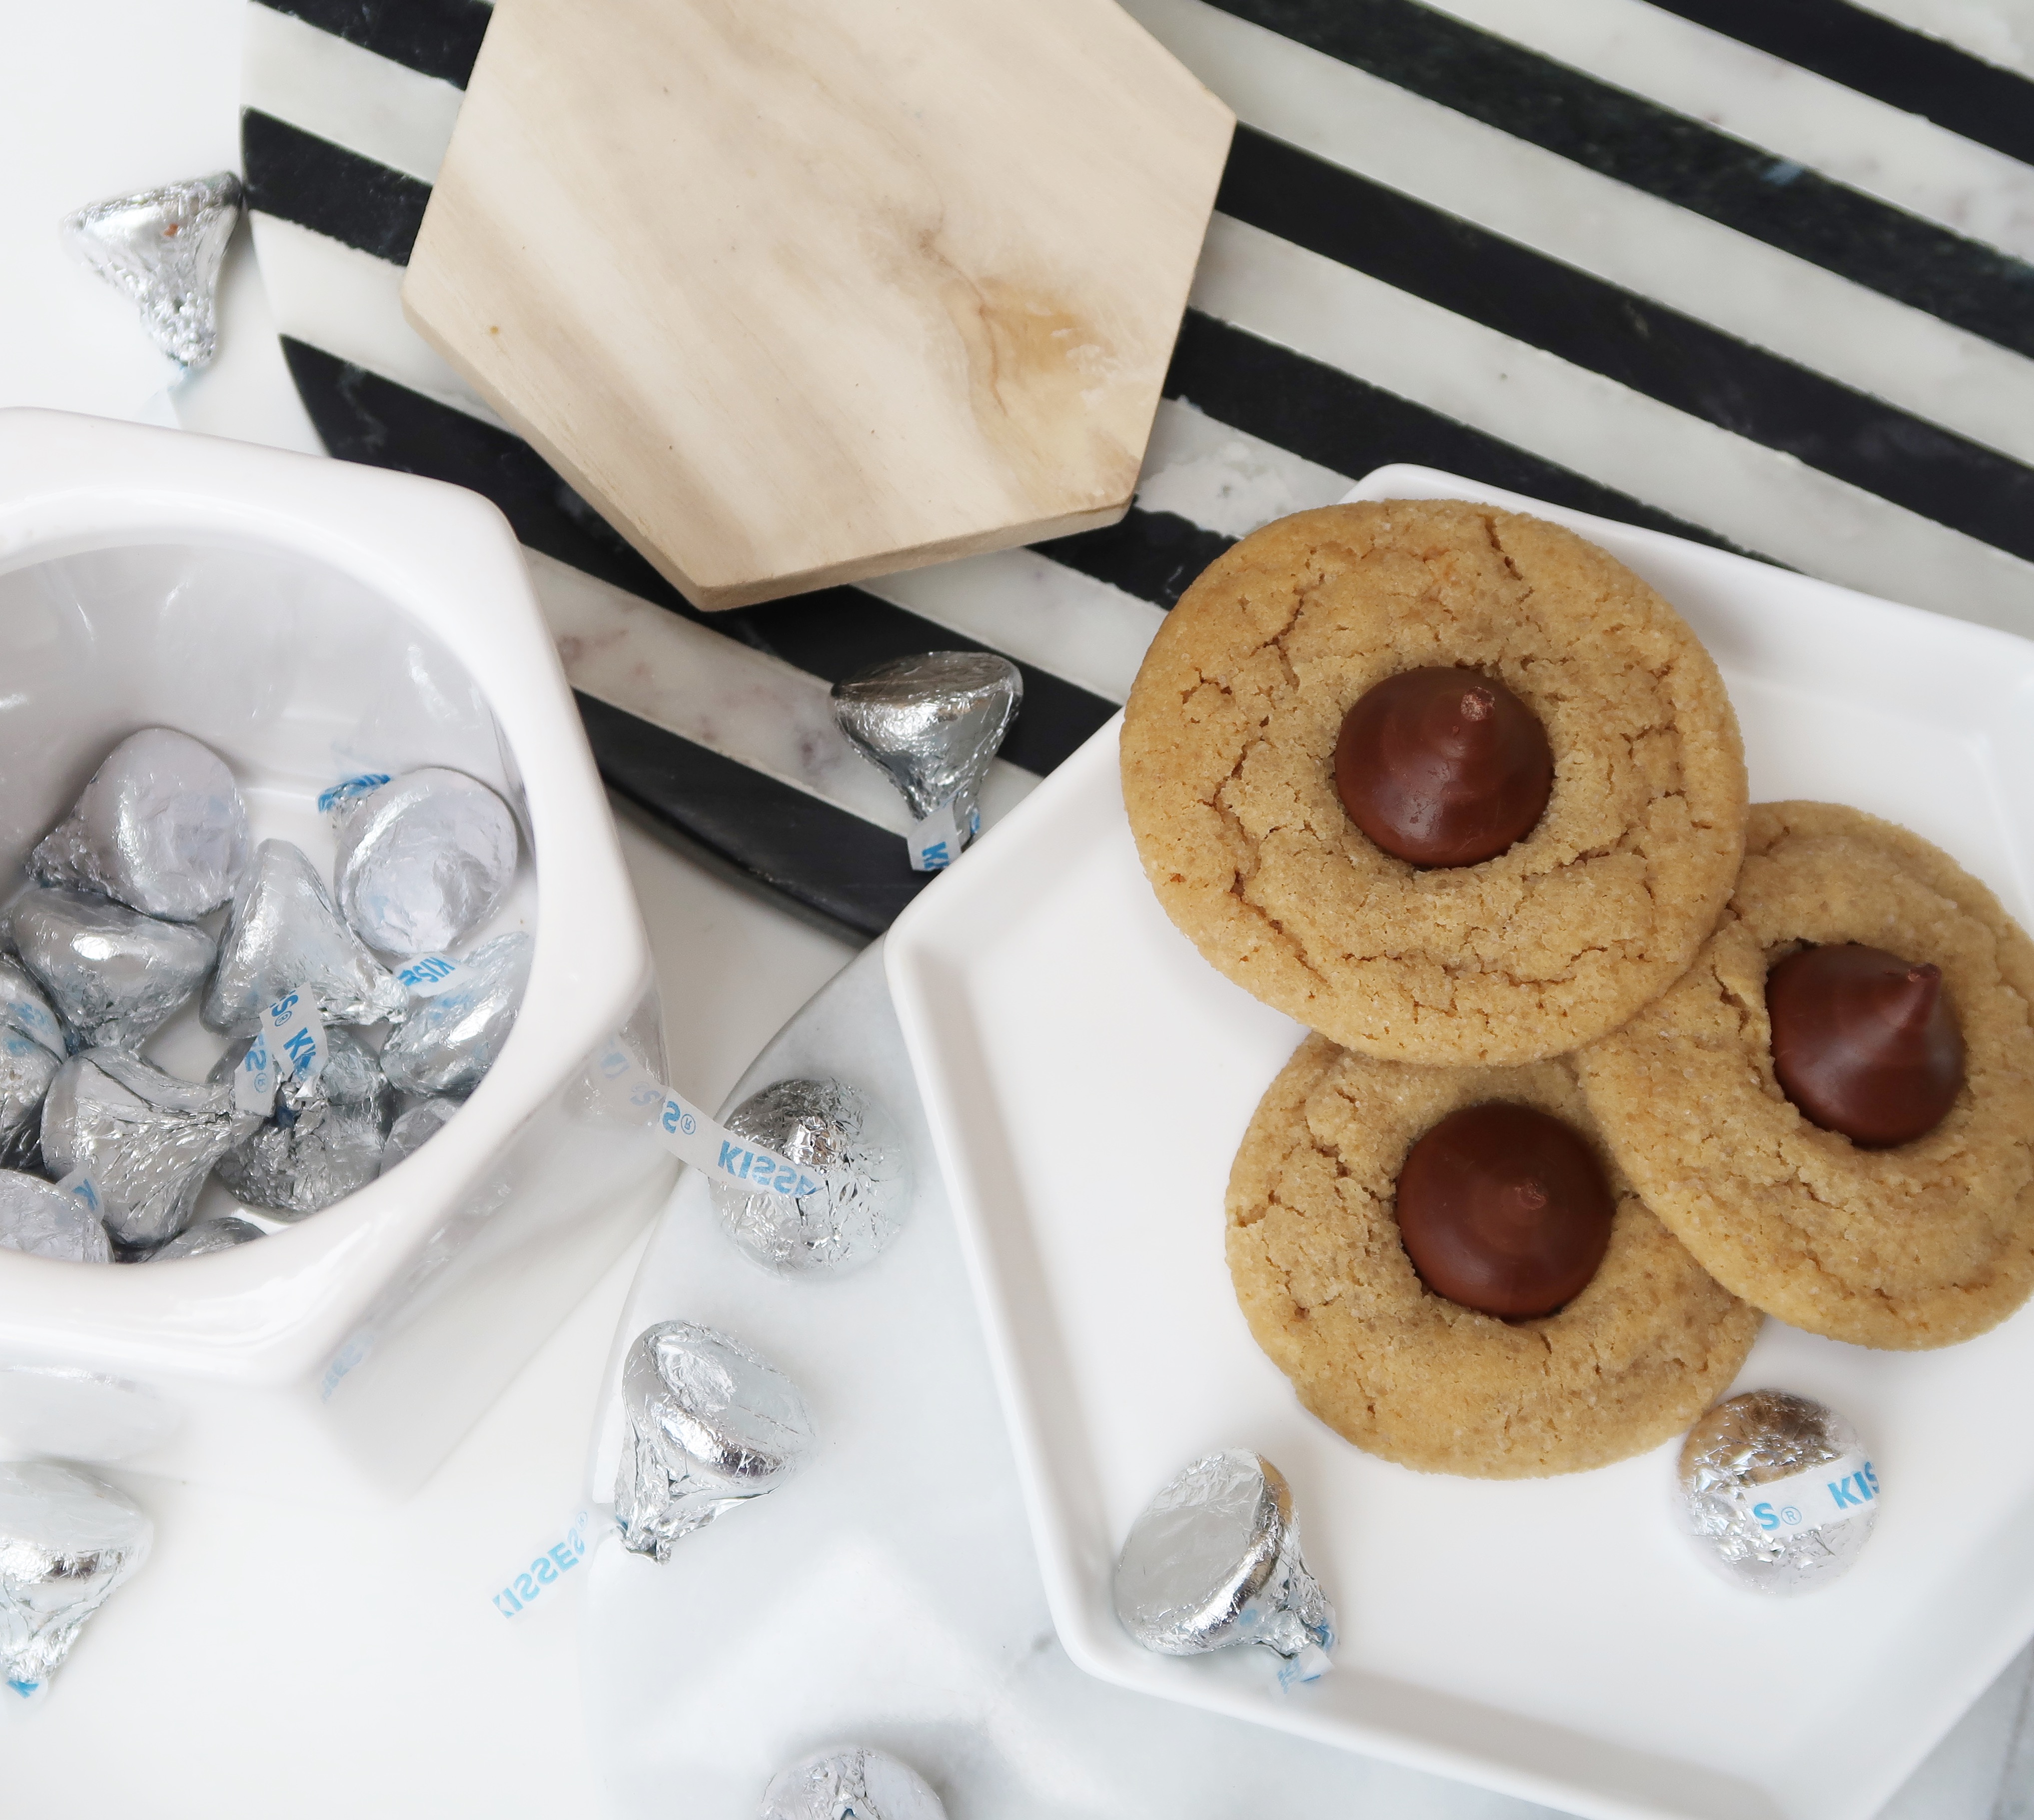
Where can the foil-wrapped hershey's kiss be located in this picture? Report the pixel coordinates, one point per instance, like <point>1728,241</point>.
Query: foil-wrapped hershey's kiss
<point>164,247</point>
<point>207,1236</point>
<point>46,1222</point>
<point>31,1050</point>
<point>66,1542</point>
<point>147,1140</point>
<point>850,1782</point>
<point>414,1129</point>
<point>285,935</point>
<point>160,828</point>
<point>707,1424</point>
<point>932,723</point>
<point>1778,1490</point>
<point>424,859</point>
<point>115,975</point>
<point>1215,1560</point>
<point>448,1044</point>
<point>851,1146</point>
<point>324,1137</point>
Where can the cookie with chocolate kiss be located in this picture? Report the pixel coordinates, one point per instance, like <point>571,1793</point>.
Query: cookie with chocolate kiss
<point>1834,1108</point>
<point>1448,784</point>
<point>1371,1202</point>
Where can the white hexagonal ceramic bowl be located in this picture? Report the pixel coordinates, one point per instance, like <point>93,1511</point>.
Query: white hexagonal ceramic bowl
<point>311,620</point>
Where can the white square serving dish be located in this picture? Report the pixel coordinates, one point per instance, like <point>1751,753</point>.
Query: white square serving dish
<point>1088,1078</point>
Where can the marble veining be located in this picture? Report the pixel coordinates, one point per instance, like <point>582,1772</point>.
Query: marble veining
<point>740,703</point>
<point>1760,293</point>
<point>1897,157</point>
<point>1769,501</point>
<point>349,303</point>
<point>397,117</point>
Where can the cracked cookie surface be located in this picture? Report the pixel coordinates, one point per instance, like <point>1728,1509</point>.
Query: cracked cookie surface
<point>1919,1246</point>
<point>1330,1294</point>
<point>1228,750</point>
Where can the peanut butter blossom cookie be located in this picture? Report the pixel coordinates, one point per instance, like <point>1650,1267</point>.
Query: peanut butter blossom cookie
<point>1446,784</point>
<point>1834,1109</point>
<point>1454,1274</point>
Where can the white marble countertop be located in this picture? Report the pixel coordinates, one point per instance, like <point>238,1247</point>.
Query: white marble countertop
<point>333,1664</point>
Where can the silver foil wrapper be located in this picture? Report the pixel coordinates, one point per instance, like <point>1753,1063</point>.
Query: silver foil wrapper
<point>66,1541</point>
<point>146,1139</point>
<point>160,828</point>
<point>285,935</point>
<point>47,1221</point>
<point>115,975</point>
<point>423,861</point>
<point>850,1783</point>
<point>1777,1491</point>
<point>164,247</point>
<point>1215,1560</point>
<point>449,1042</point>
<point>853,1149</point>
<point>207,1236</point>
<point>708,1425</point>
<point>325,1139</point>
<point>933,723</point>
<point>414,1129</point>
<point>31,1050</point>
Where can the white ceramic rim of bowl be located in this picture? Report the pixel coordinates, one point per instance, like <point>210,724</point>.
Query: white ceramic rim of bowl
<point>924,950</point>
<point>277,1311</point>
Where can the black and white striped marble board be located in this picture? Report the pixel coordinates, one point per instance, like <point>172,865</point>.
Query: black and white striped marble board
<point>1756,272</point>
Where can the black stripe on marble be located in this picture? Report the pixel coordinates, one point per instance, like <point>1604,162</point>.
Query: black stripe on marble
<point>440,38</point>
<point>362,417</point>
<point>1153,555</point>
<point>298,177</point>
<point>1904,67</point>
<point>846,868</point>
<point>1670,156</point>
<point>1630,338</point>
<point>1351,426</point>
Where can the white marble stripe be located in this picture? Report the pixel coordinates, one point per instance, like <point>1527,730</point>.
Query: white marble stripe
<point>743,703</point>
<point>1741,285</point>
<point>1898,157</point>
<point>2000,32</point>
<point>314,81</point>
<point>1767,502</point>
<point>1035,610</point>
<point>1225,480</point>
<point>349,303</point>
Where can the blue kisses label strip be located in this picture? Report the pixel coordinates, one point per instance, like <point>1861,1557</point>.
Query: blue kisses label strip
<point>696,1137</point>
<point>426,976</point>
<point>937,842</point>
<point>1785,1508</point>
<point>548,1567</point>
<point>289,1041</point>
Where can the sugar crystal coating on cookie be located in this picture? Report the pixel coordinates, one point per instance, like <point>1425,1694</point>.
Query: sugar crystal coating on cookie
<point>1229,780</point>
<point>1922,1244</point>
<point>1332,1294</point>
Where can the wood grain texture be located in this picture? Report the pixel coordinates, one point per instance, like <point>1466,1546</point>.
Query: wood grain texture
<point>797,292</point>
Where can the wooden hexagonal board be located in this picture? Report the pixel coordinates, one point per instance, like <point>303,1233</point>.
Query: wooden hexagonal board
<point>800,291</point>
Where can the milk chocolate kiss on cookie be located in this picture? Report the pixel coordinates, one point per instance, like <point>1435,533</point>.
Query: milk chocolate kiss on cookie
<point>1443,767</point>
<point>1866,1044</point>
<point>1503,1209</point>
